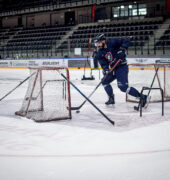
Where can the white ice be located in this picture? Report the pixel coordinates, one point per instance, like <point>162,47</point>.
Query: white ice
<point>87,147</point>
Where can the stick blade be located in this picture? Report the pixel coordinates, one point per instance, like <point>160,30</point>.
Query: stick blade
<point>136,108</point>
<point>112,122</point>
<point>75,108</point>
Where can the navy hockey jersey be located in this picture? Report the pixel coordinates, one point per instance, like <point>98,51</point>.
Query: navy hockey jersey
<point>109,54</point>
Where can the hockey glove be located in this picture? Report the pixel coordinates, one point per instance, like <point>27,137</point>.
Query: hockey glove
<point>121,54</point>
<point>105,71</point>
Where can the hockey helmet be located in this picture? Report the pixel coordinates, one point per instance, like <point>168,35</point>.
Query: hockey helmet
<point>99,38</point>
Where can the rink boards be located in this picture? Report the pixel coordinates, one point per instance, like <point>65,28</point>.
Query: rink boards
<point>74,63</point>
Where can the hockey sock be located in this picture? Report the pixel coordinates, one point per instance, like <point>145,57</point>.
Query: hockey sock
<point>133,92</point>
<point>108,90</point>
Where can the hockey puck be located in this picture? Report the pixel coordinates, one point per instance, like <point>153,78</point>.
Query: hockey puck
<point>77,111</point>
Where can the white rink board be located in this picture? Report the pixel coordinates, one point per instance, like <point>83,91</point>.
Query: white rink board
<point>147,60</point>
<point>63,62</point>
<point>34,62</point>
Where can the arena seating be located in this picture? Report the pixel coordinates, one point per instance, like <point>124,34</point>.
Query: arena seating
<point>165,39</point>
<point>19,4</point>
<point>45,41</point>
<point>35,39</point>
<point>137,32</point>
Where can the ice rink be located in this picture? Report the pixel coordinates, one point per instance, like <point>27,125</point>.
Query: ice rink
<point>87,147</point>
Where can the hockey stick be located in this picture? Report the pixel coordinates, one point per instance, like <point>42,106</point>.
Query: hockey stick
<point>17,86</point>
<point>137,107</point>
<point>78,107</point>
<point>112,122</point>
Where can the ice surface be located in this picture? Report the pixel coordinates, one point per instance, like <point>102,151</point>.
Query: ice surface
<point>88,146</point>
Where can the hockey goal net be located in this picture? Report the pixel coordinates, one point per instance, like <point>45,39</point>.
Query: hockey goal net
<point>48,95</point>
<point>141,75</point>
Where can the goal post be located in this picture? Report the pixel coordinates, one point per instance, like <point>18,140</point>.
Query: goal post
<point>141,75</point>
<point>48,95</point>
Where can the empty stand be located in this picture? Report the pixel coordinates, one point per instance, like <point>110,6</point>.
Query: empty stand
<point>137,31</point>
<point>35,40</point>
<point>52,41</point>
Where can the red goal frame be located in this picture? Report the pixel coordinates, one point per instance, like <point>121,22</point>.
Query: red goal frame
<point>164,67</point>
<point>39,72</point>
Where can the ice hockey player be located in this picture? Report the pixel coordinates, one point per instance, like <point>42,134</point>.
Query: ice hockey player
<point>109,52</point>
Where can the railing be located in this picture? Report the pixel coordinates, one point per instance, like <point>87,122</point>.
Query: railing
<point>85,48</point>
<point>52,5</point>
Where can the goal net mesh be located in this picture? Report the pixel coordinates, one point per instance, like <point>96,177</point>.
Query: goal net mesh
<point>141,75</point>
<point>48,95</point>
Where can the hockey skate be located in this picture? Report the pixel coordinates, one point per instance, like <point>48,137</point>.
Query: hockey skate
<point>111,100</point>
<point>143,102</point>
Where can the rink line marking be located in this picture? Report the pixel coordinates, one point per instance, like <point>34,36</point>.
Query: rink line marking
<point>133,68</point>
<point>28,68</point>
<point>77,68</point>
<point>13,67</point>
<point>85,155</point>
<point>84,68</point>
